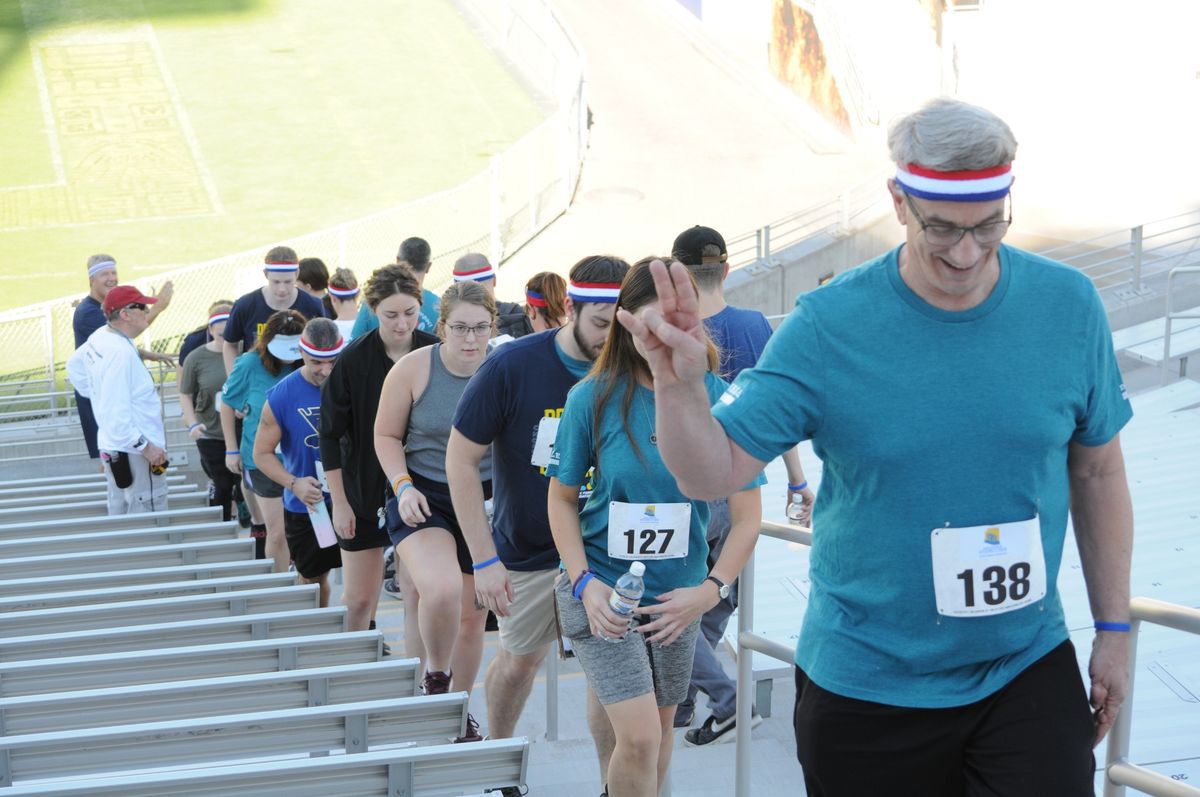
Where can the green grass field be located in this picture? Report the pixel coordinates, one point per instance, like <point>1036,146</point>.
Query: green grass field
<point>169,132</point>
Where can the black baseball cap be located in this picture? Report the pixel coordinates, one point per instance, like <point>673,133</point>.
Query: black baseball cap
<point>690,244</point>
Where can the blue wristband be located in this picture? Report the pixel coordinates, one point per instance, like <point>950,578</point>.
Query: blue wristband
<point>1120,628</point>
<point>193,426</point>
<point>482,565</point>
<point>795,488</point>
<point>587,576</point>
<point>233,453</point>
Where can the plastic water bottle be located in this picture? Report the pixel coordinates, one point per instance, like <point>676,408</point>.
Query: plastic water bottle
<point>627,593</point>
<point>322,524</point>
<point>795,510</point>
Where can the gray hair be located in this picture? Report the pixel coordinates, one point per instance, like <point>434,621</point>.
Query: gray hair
<point>951,135</point>
<point>322,333</point>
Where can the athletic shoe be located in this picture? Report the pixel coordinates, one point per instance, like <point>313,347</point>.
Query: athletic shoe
<point>387,650</point>
<point>472,734</point>
<point>389,564</point>
<point>684,716</point>
<point>435,683</point>
<point>243,513</point>
<point>508,791</point>
<point>715,731</point>
<point>390,588</point>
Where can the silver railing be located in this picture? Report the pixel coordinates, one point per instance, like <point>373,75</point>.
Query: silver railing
<point>1172,314</point>
<point>749,641</point>
<point>1119,772</point>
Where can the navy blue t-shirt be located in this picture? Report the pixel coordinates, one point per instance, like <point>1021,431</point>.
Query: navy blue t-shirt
<point>740,335</point>
<point>519,384</point>
<point>250,313</point>
<point>194,340</point>
<point>89,316</point>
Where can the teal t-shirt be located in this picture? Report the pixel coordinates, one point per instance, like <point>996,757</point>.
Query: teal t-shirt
<point>923,419</point>
<point>366,321</point>
<point>622,476</point>
<point>246,390</point>
<point>577,368</point>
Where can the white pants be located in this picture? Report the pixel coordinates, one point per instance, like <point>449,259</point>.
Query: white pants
<point>148,493</point>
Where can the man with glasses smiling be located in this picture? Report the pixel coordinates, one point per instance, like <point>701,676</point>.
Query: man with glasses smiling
<point>107,369</point>
<point>963,396</point>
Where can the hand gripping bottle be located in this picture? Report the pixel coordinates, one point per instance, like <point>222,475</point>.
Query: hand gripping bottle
<point>627,593</point>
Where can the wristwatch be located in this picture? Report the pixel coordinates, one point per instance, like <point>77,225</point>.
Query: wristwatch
<point>141,444</point>
<point>722,587</point>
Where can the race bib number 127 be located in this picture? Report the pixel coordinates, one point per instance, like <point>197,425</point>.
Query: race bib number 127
<point>985,570</point>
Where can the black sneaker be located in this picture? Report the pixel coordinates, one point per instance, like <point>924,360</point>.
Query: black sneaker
<point>472,734</point>
<point>715,731</point>
<point>243,514</point>
<point>683,716</point>
<point>390,588</point>
<point>435,683</point>
<point>509,791</point>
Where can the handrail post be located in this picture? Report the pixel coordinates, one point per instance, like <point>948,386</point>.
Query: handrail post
<point>745,680</point>
<point>1135,241</point>
<point>552,695</point>
<point>1118,736</point>
<point>766,241</point>
<point>758,244</point>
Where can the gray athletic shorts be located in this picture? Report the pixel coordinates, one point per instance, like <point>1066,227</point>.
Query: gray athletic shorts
<point>630,668</point>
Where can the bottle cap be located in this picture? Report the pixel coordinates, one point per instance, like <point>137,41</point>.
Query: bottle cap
<point>637,568</point>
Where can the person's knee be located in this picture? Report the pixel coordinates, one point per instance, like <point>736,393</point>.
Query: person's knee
<point>640,743</point>
<point>519,668</point>
<point>440,592</point>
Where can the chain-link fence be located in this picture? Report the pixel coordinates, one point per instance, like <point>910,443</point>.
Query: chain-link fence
<point>496,211</point>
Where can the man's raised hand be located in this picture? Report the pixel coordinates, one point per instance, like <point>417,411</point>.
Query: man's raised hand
<point>673,336</point>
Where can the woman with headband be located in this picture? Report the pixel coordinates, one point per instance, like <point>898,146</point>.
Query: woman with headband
<point>201,377</point>
<point>546,301</point>
<point>341,300</point>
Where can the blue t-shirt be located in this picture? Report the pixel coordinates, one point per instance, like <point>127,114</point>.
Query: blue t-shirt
<point>740,335</point>
<point>296,404</point>
<point>622,476</point>
<point>925,418</point>
<point>88,317</point>
<point>518,385</point>
<point>366,320</point>
<point>246,390</point>
<point>251,311</point>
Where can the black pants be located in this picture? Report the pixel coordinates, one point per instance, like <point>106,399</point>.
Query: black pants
<point>87,422</point>
<point>223,487</point>
<point>1033,738</point>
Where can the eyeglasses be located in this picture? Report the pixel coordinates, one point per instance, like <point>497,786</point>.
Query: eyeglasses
<point>988,233</point>
<point>462,330</point>
<point>135,306</point>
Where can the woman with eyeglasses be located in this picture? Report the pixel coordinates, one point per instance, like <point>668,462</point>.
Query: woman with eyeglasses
<point>412,428</point>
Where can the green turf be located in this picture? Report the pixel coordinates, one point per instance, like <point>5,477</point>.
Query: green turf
<point>302,114</point>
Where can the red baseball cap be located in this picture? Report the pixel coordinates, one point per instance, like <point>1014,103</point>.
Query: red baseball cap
<point>124,295</point>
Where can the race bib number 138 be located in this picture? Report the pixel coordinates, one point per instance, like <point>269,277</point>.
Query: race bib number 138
<point>985,570</point>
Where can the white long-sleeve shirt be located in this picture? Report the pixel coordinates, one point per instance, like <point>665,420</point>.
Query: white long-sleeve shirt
<point>108,370</point>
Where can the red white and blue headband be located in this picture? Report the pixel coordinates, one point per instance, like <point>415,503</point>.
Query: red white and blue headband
<point>322,354</point>
<point>281,265</point>
<point>601,292</point>
<point>979,185</point>
<point>217,318</point>
<point>535,299</point>
<point>343,293</point>
<point>478,275</point>
<point>103,265</point>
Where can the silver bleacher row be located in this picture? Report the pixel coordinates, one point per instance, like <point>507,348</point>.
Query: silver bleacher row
<point>152,654</point>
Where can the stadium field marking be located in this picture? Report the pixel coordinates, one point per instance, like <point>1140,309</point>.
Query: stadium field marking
<point>120,141</point>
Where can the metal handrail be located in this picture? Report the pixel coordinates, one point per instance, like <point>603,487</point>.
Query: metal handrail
<point>1119,772</point>
<point>1171,315</point>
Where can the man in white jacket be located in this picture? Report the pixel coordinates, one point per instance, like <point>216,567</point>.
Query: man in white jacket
<point>108,370</point>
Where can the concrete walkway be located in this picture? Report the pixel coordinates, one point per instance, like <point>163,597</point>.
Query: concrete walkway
<point>684,132</point>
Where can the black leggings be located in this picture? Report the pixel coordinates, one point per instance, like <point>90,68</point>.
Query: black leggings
<point>224,485</point>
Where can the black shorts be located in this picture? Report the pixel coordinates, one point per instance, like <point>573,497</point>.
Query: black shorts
<point>312,561</point>
<point>1033,738</point>
<point>260,484</point>
<point>368,535</point>
<point>441,516</point>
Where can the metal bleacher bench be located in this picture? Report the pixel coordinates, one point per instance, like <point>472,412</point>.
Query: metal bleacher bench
<point>351,727</point>
<point>188,662</point>
<point>436,771</point>
<point>91,493</point>
<point>1144,342</point>
<point>65,480</point>
<point>94,508</point>
<point>239,628</point>
<point>12,547</point>
<point>110,580</point>
<point>189,699</point>
<point>59,489</point>
<point>66,563</point>
<point>159,610</point>
<point>169,517</point>
<point>144,592</point>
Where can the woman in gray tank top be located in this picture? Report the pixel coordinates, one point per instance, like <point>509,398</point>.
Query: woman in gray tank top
<point>412,427</point>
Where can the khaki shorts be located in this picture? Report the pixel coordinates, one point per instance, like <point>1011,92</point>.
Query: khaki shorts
<point>530,625</point>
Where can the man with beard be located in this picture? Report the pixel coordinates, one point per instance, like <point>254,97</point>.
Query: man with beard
<point>513,404</point>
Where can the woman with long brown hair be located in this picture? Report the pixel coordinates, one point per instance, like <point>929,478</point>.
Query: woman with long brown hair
<point>636,514</point>
<point>546,301</point>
